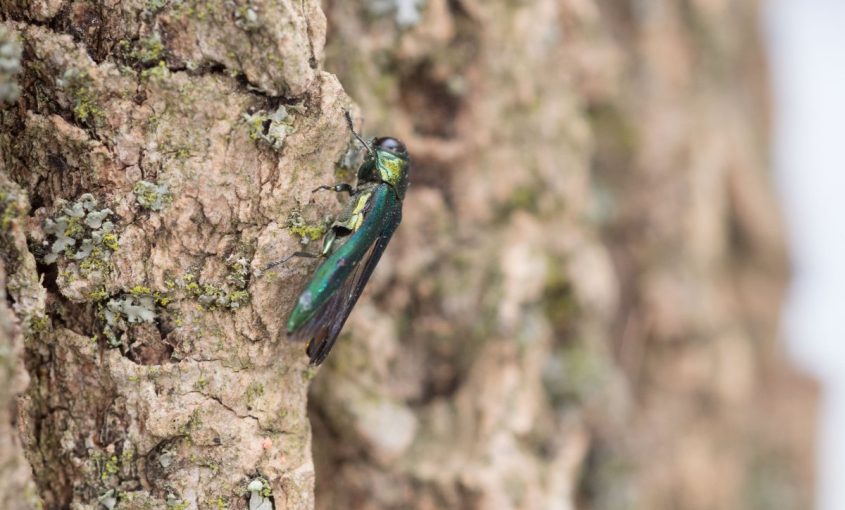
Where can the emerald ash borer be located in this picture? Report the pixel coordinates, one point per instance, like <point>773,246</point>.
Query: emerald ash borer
<point>352,246</point>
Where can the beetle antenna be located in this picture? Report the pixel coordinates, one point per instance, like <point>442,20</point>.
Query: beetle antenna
<point>352,128</point>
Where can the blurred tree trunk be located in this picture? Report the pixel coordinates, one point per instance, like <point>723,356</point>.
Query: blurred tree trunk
<point>578,309</point>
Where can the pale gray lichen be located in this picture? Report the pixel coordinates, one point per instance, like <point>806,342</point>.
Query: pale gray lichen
<point>166,459</point>
<point>175,502</point>
<point>152,196</point>
<point>108,500</point>
<point>351,159</point>
<point>407,12</point>
<point>238,275</point>
<point>271,128</point>
<point>96,219</point>
<point>10,65</point>
<point>118,314</point>
<point>154,6</point>
<point>134,309</point>
<point>259,497</point>
<point>246,17</point>
<point>84,250</point>
<point>80,232</point>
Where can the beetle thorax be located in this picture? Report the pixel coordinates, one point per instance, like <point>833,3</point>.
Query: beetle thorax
<point>391,168</point>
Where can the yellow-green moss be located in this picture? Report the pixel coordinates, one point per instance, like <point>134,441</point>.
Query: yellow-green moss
<point>270,127</point>
<point>154,6</point>
<point>93,264</point>
<point>111,467</point>
<point>85,106</point>
<point>74,227</point>
<point>237,298</point>
<point>192,424</point>
<point>312,232</point>
<point>140,290</point>
<point>253,391</point>
<point>10,212</point>
<point>157,72</point>
<point>297,226</point>
<point>152,196</point>
<point>255,124</point>
<point>98,295</point>
<point>231,295</point>
<point>39,323</point>
<point>161,298</point>
<point>85,103</point>
<point>182,151</point>
<point>149,50</point>
<point>201,384</point>
<point>266,490</point>
<point>110,241</point>
<point>177,504</point>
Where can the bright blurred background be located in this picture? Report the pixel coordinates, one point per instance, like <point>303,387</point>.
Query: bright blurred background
<point>805,43</point>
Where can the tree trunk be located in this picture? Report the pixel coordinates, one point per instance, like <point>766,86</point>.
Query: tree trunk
<point>166,150</point>
<point>578,309</point>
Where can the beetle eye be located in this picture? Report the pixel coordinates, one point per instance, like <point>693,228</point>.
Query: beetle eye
<point>391,144</point>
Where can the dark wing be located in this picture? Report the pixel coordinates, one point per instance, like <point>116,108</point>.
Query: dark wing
<point>323,328</point>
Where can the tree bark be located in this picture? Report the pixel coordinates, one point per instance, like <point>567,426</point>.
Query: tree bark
<point>166,150</point>
<point>578,309</point>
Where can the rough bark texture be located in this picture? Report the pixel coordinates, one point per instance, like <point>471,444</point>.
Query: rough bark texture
<point>578,309</point>
<point>167,150</point>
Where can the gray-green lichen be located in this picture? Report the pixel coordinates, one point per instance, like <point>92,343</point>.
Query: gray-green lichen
<point>347,165</point>
<point>153,6</point>
<point>149,50</point>
<point>82,233</point>
<point>246,17</point>
<point>232,294</point>
<point>157,121</point>
<point>108,499</point>
<point>406,12</point>
<point>141,304</point>
<point>79,86</point>
<point>259,494</point>
<point>120,313</point>
<point>174,502</point>
<point>10,65</point>
<point>307,232</point>
<point>156,72</point>
<point>152,196</point>
<point>9,209</point>
<point>271,128</point>
<point>134,309</point>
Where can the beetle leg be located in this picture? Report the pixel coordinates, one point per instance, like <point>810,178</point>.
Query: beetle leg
<point>342,187</point>
<point>303,254</point>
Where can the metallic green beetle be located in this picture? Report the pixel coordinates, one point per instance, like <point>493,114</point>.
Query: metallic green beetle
<point>353,245</point>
